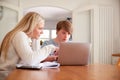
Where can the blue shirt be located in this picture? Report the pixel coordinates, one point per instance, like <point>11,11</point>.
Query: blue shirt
<point>49,42</point>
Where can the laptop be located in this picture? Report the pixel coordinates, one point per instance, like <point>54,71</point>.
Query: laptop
<point>74,53</point>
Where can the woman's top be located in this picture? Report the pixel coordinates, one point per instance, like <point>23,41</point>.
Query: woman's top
<point>50,42</point>
<point>21,51</point>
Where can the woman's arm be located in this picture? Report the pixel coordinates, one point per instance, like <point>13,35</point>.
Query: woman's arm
<point>25,52</point>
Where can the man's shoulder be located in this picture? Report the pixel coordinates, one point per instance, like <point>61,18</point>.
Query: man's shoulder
<point>47,42</point>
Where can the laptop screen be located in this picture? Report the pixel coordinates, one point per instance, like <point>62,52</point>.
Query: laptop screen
<point>74,53</point>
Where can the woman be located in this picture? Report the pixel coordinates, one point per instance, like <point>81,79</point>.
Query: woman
<point>16,45</point>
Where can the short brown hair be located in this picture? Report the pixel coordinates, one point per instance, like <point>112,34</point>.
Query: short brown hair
<point>66,25</point>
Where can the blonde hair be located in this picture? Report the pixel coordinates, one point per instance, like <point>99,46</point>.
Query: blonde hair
<point>26,25</point>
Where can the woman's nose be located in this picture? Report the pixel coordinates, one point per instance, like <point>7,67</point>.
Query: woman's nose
<point>41,32</point>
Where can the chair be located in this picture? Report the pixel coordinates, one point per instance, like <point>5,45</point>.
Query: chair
<point>117,55</point>
<point>118,63</point>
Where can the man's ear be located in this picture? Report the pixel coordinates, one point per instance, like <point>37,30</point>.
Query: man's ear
<point>56,32</point>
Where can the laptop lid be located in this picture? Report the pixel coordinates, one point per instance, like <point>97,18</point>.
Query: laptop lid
<point>74,53</point>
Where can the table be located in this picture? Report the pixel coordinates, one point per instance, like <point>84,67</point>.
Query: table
<point>89,72</point>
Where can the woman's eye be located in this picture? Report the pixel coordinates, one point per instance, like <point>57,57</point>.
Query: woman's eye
<point>40,28</point>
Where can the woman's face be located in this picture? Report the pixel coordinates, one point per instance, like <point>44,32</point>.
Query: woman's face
<point>63,35</point>
<point>38,30</point>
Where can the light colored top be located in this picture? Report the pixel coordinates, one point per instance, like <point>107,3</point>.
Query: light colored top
<point>50,42</point>
<point>21,51</point>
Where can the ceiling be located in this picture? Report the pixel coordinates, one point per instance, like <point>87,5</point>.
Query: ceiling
<point>51,13</point>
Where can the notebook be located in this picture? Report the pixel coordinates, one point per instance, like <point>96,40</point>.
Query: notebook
<point>26,66</point>
<point>38,66</point>
<point>73,53</point>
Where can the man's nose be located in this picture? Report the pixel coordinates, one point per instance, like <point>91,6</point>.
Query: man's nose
<point>66,35</point>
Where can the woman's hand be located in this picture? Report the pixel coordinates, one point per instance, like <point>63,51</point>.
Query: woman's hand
<point>51,58</point>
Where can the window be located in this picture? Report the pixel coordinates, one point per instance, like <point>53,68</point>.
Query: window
<point>53,33</point>
<point>48,34</point>
<point>45,35</point>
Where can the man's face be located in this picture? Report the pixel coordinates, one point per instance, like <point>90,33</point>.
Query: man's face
<point>63,35</point>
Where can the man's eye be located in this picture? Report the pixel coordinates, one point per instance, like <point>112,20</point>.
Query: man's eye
<point>63,32</point>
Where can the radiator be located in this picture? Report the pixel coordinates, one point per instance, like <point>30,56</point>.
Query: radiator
<point>105,34</point>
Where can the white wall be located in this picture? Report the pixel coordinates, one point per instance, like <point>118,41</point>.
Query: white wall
<point>82,32</point>
<point>8,21</point>
<point>116,7</point>
<point>67,4</point>
<point>115,4</point>
<point>50,24</point>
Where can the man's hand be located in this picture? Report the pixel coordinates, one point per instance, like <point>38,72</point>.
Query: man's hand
<point>56,52</point>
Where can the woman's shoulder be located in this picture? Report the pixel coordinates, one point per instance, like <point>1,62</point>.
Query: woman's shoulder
<point>20,34</point>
